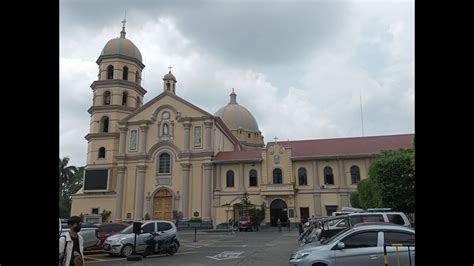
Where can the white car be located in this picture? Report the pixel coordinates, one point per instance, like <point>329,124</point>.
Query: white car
<point>122,244</point>
<point>359,245</point>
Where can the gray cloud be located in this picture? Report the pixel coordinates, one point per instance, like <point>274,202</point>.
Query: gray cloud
<point>297,67</point>
<point>241,32</point>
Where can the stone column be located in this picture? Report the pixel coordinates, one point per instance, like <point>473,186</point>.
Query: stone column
<point>315,175</point>
<point>342,175</point>
<point>343,185</point>
<point>241,178</point>
<point>207,135</point>
<point>123,139</point>
<point>207,191</point>
<point>344,199</point>
<point>142,139</point>
<point>316,191</point>
<point>119,191</point>
<point>185,169</point>
<point>218,178</point>
<point>140,194</point>
<point>317,204</point>
<point>187,128</point>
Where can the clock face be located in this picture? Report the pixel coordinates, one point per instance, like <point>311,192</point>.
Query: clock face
<point>166,115</point>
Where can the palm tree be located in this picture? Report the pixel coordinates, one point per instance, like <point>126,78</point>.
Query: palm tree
<point>65,173</point>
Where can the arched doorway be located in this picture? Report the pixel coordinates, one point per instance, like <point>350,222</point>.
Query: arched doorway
<point>276,212</point>
<point>162,204</point>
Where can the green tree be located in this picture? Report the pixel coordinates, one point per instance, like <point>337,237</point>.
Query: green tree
<point>72,180</point>
<point>355,200</point>
<point>392,180</point>
<point>367,194</point>
<point>66,173</point>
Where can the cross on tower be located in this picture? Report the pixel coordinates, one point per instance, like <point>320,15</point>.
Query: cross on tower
<point>275,138</point>
<point>123,22</point>
<point>170,67</point>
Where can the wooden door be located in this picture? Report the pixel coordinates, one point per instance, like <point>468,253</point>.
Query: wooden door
<point>162,205</point>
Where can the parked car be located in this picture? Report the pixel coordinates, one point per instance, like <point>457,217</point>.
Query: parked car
<point>105,230</point>
<point>122,243</point>
<point>245,223</point>
<point>359,245</point>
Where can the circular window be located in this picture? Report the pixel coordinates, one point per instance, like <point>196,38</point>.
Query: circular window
<point>166,115</point>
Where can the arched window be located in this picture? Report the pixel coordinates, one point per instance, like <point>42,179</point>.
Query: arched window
<point>105,124</point>
<point>107,98</point>
<point>124,98</point>
<point>277,176</point>
<point>137,77</point>
<point>110,72</point>
<point>355,174</point>
<point>101,152</point>
<point>253,178</point>
<point>328,176</point>
<point>167,85</point>
<point>230,178</point>
<point>165,162</point>
<point>302,177</point>
<point>125,73</point>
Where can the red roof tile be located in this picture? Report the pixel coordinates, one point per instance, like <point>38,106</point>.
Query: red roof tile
<point>347,146</point>
<point>253,155</point>
<point>357,146</point>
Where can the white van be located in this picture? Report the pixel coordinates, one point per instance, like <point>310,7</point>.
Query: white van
<point>366,217</point>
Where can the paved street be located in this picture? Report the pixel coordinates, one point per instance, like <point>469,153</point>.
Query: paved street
<point>267,247</point>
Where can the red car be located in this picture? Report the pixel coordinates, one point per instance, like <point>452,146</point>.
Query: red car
<point>245,223</point>
<point>106,230</point>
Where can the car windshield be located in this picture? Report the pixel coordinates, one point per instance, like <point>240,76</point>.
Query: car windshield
<point>244,218</point>
<point>127,230</point>
<point>331,240</point>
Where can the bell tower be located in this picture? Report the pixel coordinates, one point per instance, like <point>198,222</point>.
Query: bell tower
<point>116,93</point>
<point>169,82</point>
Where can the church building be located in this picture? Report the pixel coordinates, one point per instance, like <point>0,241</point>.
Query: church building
<point>166,156</point>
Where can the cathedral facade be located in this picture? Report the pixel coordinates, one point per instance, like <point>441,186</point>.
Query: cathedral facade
<point>150,160</point>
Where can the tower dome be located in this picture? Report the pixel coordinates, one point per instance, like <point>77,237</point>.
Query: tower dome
<point>235,116</point>
<point>241,123</point>
<point>121,47</point>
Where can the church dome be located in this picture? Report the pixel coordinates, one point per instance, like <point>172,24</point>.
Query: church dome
<point>121,47</point>
<point>169,76</point>
<point>236,116</point>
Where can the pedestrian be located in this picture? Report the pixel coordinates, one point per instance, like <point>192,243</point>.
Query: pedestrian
<point>279,225</point>
<point>300,226</point>
<point>71,244</point>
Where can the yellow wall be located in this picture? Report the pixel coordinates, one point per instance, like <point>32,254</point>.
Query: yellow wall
<point>129,188</point>
<point>329,199</point>
<point>196,188</point>
<point>85,205</point>
<point>284,164</point>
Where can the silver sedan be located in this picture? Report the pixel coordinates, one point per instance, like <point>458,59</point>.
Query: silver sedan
<point>360,245</point>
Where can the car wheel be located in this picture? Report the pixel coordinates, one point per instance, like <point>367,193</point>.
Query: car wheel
<point>127,250</point>
<point>173,248</point>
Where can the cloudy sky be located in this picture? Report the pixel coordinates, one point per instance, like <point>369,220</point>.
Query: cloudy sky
<point>300,66</point>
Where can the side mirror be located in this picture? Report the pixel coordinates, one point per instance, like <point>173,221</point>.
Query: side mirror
<point>341,245</point>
